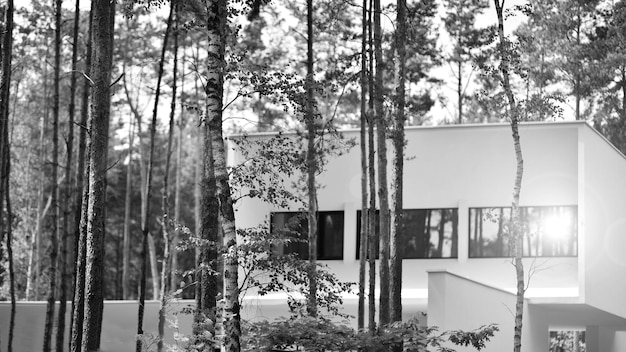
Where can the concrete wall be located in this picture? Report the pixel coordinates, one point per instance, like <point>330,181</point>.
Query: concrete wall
<point>119,324</point>
<point>480,305</point>
<point>604,235</point>
<point>458,167</point>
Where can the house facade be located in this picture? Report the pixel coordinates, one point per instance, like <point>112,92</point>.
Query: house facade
<point>458,183</point>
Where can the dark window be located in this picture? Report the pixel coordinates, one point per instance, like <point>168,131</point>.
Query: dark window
<point>295,225</point>
<point>426,233</point>
<point>548,231</point>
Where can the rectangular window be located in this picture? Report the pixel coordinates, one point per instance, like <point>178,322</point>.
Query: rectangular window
<point>295,225</point>
<point>426,233</point>
<point>549,231</point>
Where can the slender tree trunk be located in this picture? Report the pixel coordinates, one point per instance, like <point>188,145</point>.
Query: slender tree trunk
<point>177,186</point>
<point>103,24</point>
<point>54,218</point>
<point>80,215</point>
<point>372,218</point>
<point>383,196</point>
<point>5,83</point>
<point>364,213</point>
<point>126,289</point>
<point>460,91</point>
<point>166,222</point>
<point>146,206</point>
<point>398,172</point>
<point>217,31</point>
<point>66,208</point>
<point>311,161</point>
<point>516,228</point>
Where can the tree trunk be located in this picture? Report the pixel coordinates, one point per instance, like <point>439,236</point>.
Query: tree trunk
<point>5,83</point>
<point>166,222</point>
<point>80,215</point>
<point>126,289</point>
<point>398,171</point>
<point>372,218</point>
<point>102,55</point>
<point>311,161</point>
<point>364,219</point>
<point>54,218</point>
<point>177,186</point>
<point>217,31</point>
<point>460,91</point>
<point>516,228</point>
<point>146,201</point>
<point>383,196</point>
<point>66,208</point>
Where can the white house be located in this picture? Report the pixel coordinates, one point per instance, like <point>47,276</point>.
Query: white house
<point>458,183</point>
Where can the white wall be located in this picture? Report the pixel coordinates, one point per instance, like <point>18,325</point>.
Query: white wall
<point>458,166</point>
<point>604,224</point>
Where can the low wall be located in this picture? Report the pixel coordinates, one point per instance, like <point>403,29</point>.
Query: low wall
<point>119,323</point>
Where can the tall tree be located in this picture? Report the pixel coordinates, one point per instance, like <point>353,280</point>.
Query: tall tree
<point>217,31</point>
<point>81,207</point>
<point>102,56</point>
<point>165,220</point>
<point>516,230</point>
<point>54,216</point>
<point>383,192</point>
<point>395,242</point>
<point>371,216</point>
<point>363,242</point>
<point>311,161</point>
<point>466,39</point>
<point>64,259</point>
<point>5,156</point>
<point>146,201</point>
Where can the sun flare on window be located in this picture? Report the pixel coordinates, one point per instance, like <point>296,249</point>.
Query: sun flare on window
<point>557,226</point>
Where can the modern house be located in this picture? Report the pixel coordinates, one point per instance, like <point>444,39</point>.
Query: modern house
<point>458,183</point>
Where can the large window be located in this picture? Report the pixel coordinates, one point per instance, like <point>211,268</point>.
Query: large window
<point>426,233</point>
<point>548,231</point>
<point>295,225</point>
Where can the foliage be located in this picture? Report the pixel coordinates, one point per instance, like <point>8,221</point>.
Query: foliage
<point>267,270</point>
<point>325,335</point>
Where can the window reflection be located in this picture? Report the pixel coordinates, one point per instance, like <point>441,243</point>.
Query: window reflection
<point>548,231</point>
<point>426,233</point>
<point>295,225</point>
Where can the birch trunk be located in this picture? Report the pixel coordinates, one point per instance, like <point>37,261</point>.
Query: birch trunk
<point>516,228</point>
<point>364,195</point>
<point>373,235</point>
<point>217,31</point>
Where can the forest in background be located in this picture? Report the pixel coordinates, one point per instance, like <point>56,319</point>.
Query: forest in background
<point>570,63</point>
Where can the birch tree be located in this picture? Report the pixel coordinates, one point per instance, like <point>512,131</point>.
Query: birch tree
<point>517,235</point>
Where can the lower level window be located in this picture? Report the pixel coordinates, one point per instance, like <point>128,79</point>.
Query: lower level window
<point>547,231</point>
<point>295,225</point>
<point>426,233</point>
